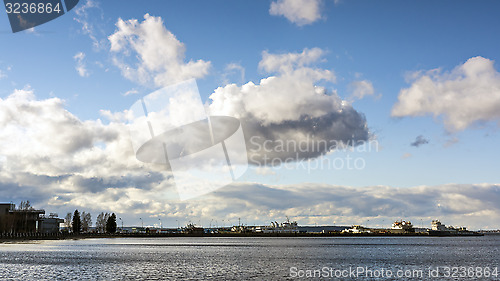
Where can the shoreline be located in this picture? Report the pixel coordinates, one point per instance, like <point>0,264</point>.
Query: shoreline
<point>269,235</point>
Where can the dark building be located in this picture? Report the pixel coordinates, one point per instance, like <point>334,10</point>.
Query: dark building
<point>49,224</point>
<point>5,208</point>
<point>13,220</point>
<point>192,229</point>
<point>6,220</point>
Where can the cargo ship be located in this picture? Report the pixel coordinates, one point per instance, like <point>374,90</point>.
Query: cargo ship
<point>439,229</point>
<point>402,226</point>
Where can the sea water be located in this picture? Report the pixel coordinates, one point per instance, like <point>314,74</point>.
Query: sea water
<point>254,258</point>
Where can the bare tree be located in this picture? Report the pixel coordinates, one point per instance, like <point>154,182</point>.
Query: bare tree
<point>101,221</point>
<point>25,205</point>
<point>86,221</point>
<point>68,219</point>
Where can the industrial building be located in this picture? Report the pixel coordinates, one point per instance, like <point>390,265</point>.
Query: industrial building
<point>28,220</point>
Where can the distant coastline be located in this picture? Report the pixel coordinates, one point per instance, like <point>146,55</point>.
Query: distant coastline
<point>167,235</point>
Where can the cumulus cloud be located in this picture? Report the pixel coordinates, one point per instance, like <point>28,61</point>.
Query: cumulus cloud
<point>60,160</point>
<point>290,107</point>
<point>299,12</point>
<point>419,140</point>
<point>361,89</point>
<point>295,62</point>
<point>146,52</point>
<point>81,67</point>
<point>465,96</point>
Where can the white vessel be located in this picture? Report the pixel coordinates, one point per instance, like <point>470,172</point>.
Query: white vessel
<point>275,227</point>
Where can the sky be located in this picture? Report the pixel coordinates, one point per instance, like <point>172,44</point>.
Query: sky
<point>409,91</point>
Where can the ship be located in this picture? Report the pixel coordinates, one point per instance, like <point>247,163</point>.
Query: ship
<point>402,226</point>
<point>357,229</point>
<point>275,227</point>
<point>439,229</point>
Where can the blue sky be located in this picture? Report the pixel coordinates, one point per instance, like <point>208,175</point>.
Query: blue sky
<point>450,48</point>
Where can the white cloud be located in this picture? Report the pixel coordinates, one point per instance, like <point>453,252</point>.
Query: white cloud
<point>81,67</point>
<point>3,72</point>
<point>290,106</point>
<point>294,62</point>
<point>361,89</point>
<point>264,171</point>
<point>48,152</point>
<point>285,97</point>
<point>42,129</point>
<point>406,156</point>
<point>451,141</point>
<point>131,92</point>
<point>157,57</point>
<point>233,69</point>
<point>32,30</point>
<point>465,96</point>
<point>85,17</point>
<point>299,12</point>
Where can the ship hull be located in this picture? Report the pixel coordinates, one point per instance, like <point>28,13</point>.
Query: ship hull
<point>454,233</point>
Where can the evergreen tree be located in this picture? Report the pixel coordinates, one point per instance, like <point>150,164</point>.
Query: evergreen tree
<point>111,224</point>
<point>77,223</point>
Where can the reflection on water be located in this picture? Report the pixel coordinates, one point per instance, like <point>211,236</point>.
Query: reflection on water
<point>236,258</point>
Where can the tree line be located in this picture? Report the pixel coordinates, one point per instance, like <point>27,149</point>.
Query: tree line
<point>78,223</point>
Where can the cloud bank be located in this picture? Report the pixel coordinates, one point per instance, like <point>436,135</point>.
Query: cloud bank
<point>49,154</point>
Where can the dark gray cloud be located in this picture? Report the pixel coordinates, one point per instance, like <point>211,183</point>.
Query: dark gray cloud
<point>308,137</point>
<point>288,116</point>
<point>420,140</point>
